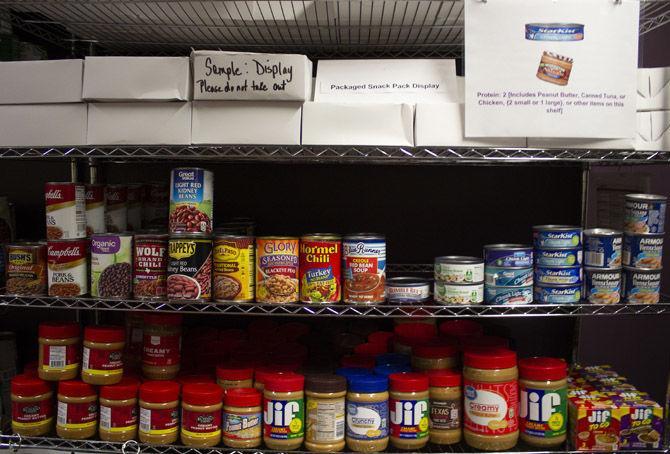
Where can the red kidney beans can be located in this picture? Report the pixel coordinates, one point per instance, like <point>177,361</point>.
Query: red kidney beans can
<point>116,208</point>
<point>66,210</point>
<point>134,212</point>
<point>67,263</point>
<point>191,201</point>
<point>189,268</point>
<point>155,201</point>
<point>150,266</point>
<point>320,265</point>
<point>95,209</point>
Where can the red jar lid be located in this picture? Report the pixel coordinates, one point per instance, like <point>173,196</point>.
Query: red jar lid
<point>58,330</point>
<point>263,372</point>
<point>156,391</point>
<point>28,385</point>
<point>365,362</point>
<point>542,368</point>
<point>75,388</point>
<point>489,358</point>
<point>439,378</point>
<point>242,397</point>
<point>484,341</point>
<point>162,319</point>
<point>284,383</point>
<point>125,389</point>
<point>407,382</point>
<point>380,337</point>
<point>461,328</point>
<point>194,378</point>
<point>435,351</point>
<point>233,372</point>
<point>371,349</point>
<point>410,331</point>
<point>202,394</point>
<point>106,334</point>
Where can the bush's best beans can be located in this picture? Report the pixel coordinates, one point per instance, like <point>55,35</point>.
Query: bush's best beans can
<point>558,257</point>
<point>191,201</point>
<point>65,210</point>
<point>116,208</point>
<point>320,265</point>
<point>602,248</point>
<point>150,266</point>
<point>189,268</point>
<point>557,236</point>
<point>234,273</point>
<point>641,286</point>
<point>277,269</point>
<point>459,269</point>
<point>643,250</point>
<point>645,213</point>
<point>67,263</point>
<point>111,265</point>
<point>95,209</point>
<point>508,255</point>
<point>364,264</point>
<point>26,269</point>
<point>602,286</point>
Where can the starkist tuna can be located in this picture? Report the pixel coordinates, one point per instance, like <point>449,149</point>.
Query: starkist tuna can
<point>644,213</point>
<point>557,236</point>
<point>602,248</point>
<point>508,255</point>
<point>643,250</point>
<point>558,275</point>
<point>558,257</point>
<point>558,294</point>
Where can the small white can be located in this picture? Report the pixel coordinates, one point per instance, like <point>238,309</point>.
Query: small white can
<point>458,294</point>
<point>459,269</point>
<point>407,290</point>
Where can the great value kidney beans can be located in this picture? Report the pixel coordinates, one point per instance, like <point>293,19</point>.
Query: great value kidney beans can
<point>134,218</point>
<point>644,213</point>
<point>602,286</point>
<point>234,273</point>
<point>508,295</point>
<point>320,264</point>
<point>459,269</point>
<point>558,294</point>
<point>458,294</point>
<point>508,277</point>
<point>364,263</point>
<point>407,290</point>
<point>26,268</point>
<point>150,266</point>
<point>602,248</point>
<point>95,209</point>
<point>155,201</point>
<point>555,236</point>
<point>277,269</point>
<point>558,275</point>
<point>508,255</point>
<point>111,265</point>
<point>641,286</point>
<point>67,263</point>
<point>189,268</point>
<point>116,208</point>
<point>65,210</point>
<point>643,250</point>
<point>191,200</point>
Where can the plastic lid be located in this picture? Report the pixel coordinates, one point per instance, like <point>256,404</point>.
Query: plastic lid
<point>75,388</point>
<point>125,389</point>
<point>371,349</point>
<point>261,374</point>
<point>242,397</point>
<point>489,358</point>
<point>368,383</point>
<point>380,337</point>
<point>106,334</point>
<point>347,372</point>
<point>232,372</point>
<point>392,359</point>
<point>407,382</point>
<point>543,368</point>
<point>28,385</point>
<point>155,391</point>
<point>461,328</point>
<point>58,330</point>
<point>439,378</point>
<point>162,319</point>
<point>325,383</point>
<point>359,361</point>
<point>194,378</point>
<point>435,351</point>
<point>202,394</point>
<point>414,331</point>
<point>389,369</point>
<point>284,383</point>
<point>484,341</point>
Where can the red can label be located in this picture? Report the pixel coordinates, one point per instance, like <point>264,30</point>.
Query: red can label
<point>27,414</point>
<point>491,408</point>
<point>116,211</point>
<point>66,210</point>
<point>95,209</point>
<point>157,422</point>
<point>60,357</point>
<point>102,360</point>
<point>150,267</point>
<point>67,263</point>
<point>119,418</point>
<point>364,270</point>
<point>320,264</point>
<point>77,416</point>
<point>161,350</point>
<point>409,418</point>
<point>195,423</point>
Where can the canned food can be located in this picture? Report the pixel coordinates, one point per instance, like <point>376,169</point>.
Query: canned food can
<point>508,295</point>
<point>643,250</point>
<point>111,265</point>
<point>459,269</point>
<point>277,272</point>
<point>558,294</point>
<point>2,264</point>
<point>644,213</point>
<point>558,257</point>
<point>641,286</point>
<point>26,269</point>
<point>320,268</point>
<point>234,273</point>
<point>508,277</point>
<point>134,219</point>
<point>116,208</point>
<point>95,209</point>
<point>602,286</point>
<point>558,275</point>
<point>508,255</point>
<point>557,236</point>
<point>66,210</point>
<point>150,266</point>
<point>407,290</point>
<point>189,268</point>
<point>67,263</point>
<point>364,262</point>
<point>155,201</point>
<point>602,248</point>
<point>191,200</point>
<point>458,294</point>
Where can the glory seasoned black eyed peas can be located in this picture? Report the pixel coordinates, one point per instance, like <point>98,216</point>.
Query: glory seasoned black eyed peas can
<point>234,273</point>
<point>277,269</point>
<point>189,269</point>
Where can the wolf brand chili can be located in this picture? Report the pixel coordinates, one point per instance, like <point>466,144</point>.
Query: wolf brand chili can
<point>558,257</point>
<point>558,275</point>
<point>150,266</point>
<point>234,273</point>
<point>459,269</point>
<point>508,277</point>
<point>155,201</point>
<point>134,207</point>
<point>554,236</point>
<point>364,262</point>
<point>116,208</point>
<point>26,268</point>
<point>95,209</point>
<point>189,268</point>
<point>643,250</point>
<point>508,255</point>
<point>320,264</point>
<point>67,263</point>
<point>277,269</point>
<point>602,286</point>
<point>558,294</point>
<point>644,213</point>
<point>66,210</point>
<point>641,286</point>
<point>191,200</point>
<point>111,265</point>
<point>602,248</point>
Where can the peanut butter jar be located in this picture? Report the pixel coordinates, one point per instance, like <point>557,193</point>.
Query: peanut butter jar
<point>367,428</point>
<point>325,412</point>
<point>77,410</point>
<point>429,357</point>
<point>201,414</point>
<point>408,410</point>
<point>242,418</point>
<point>161,345</point>
<point>32,406</point>
<point>159,412</point>
<point>445,406</point>
<point>118,411</point>
<point>59,351</point>
<point>102,362</point>
<point>284,416</point>
<point>230,376</point>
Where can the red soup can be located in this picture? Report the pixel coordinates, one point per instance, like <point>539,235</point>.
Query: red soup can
<point>150,266</point>
<point>67,263</point>
<point>320,265</point>
<point>66,210</point>
<point>95,209</point>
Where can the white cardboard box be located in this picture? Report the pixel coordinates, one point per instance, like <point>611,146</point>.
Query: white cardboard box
<point>653,131</point>
<point>653,89</point>
<point>583,143</point>
<point>246,76</point>
<point>156,123</point>
<point>42,125</point>
<point>444,125</point>
<point>40,82</point>
<point>383,124</point>
<point>137,78</point>
<point>246,122</point>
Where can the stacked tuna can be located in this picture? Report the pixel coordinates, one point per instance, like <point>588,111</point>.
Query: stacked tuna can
<point>459,280</point>
<point>508,274</point>
<point>602,266</point>
<point>558,264</point>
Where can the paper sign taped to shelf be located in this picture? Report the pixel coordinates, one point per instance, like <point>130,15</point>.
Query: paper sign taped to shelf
<point>547,68</point>
<point>249,76</point>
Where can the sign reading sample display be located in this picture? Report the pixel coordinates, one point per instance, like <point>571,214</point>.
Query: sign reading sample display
<point>551,68</point>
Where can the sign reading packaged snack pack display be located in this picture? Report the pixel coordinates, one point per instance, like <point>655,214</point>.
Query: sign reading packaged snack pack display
<point>551,68</point>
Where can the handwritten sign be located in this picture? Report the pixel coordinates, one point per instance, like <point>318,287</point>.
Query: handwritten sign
<point>251,76</point>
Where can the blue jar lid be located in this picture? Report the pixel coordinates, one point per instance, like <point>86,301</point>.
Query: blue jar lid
<point>387,370</point>
<point>368,383</point>
<point>352,371</point>
<point>392,359</point>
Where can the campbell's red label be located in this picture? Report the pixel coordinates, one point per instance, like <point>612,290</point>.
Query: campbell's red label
<point>77,416</point>
<point>116,195</point>
<point>102,360</point>
<point>59,252</point>
<point>161,350</point>
<point>31,413</point>
<point>59,193</point>
<point>123,417</point>
<point>196,422</point>
<point>65,211</point>
<point>162,421</point>
<point>134,194</point>
<point>95,195</point>
<point>61,357</point>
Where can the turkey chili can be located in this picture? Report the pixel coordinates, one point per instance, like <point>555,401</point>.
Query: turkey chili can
<point>26,268</point>
<point>508,255</point>
<point>553,236</point>
<point>95,209</point>
<point>66,210</point>
<point>602,286</point>
<point>67,264</point>
<point>150,266</point>
<point>191,201</point>
<point>189,268</point>
<point>111,265</point>
<point>116,208</point>
<point>277,265</point>
<point>602,248</point>
<point>641,286</point>
<point>644,213</point>
<point>643,250</point>
<point>364,262</point>
<point>233,264</point>
<point>320,264</point>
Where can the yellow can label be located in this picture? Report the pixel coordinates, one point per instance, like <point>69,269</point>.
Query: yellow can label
<point>233,269</point>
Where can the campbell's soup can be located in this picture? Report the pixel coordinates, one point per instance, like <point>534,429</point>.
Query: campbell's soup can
<point>134,216</point>
<point>191,201</point>
<point>320,265</point>
<point>364,263</point>
<point>67,264</point>
<point>155,201</point>
<point>116,208</point>
<point>95,209</point>
<point>66,210</point>
<point>234,273</point>
<point>150,266</point>
<point>277,269</point>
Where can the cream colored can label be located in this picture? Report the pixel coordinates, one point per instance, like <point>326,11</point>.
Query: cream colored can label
<point>325,420</point>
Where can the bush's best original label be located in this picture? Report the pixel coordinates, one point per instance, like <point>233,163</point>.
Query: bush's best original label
<point>543,413</point>
<point>364,269</point>
<point>409,418</point>
<point>508,295</point>
<point>95,209</point>
<point>77,416</point>
<point>558,294</point>
<point>557,236</point>
<point>26,269</point>
<point>111,265</point>
<point>459,294</point>
<point>277,270</point>
<point>198,424</point>
<point>234,273</point>
<point>320,264</point>
<point>641,286</point>
<point>242,427</point>
<point>643,251</point>
<point>284,419</point>
<point>119,418</point>
<point>602,286</point>
<point>491,408</point>
<point>558,275</point>
<point>558,257</point>
<point>509,277</point>
<point>367,420</point>
<point>65,210</point>
<point>191,200</point>
<point>67,267</point>
<point>644,213</point>
<point>159,421</point>
<point>508,255</point>
<point>602,248</point>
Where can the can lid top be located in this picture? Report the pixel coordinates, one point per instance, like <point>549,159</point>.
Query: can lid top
<point>602,232</point>
<point>646,196</point>
<point>406,281</point>
<point>458,259</point>
<point>559,227</point>
<point>364,236</point>
<point>321,236</point>
<point>513,246</point>
<point>642,270</point>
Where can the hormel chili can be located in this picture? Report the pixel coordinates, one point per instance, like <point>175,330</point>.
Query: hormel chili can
<point>320,264</point>
<point>134,212</point>
<point>95,209</point>
<point>150,266</point>
<point>66,210</point>
<point>155,201</point>
<point>116,210</point>
<point>364,262</point>
<point>67,263</point>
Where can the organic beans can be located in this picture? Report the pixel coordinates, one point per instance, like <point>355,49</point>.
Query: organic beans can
<point>67,263</point>
<point>644,213</point>
<point>111,265</point>
<point>641,286</point>
<point>155,201</point>
<point>364,263</point>
<point>234,273</point>
<point>320,264</point>
<point>189,268</point>
<point>95,209</point>
<point>459,269</point>
<point>277,269</point>
<point>26,269</point>
<point>602,248</point>
<point>150,266</point>
<point>643,250</point>
<point>191,201</point>
<point>602,286</point>
<point>134,218</point>
<point>116,208</point>
<point>65,210</point>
